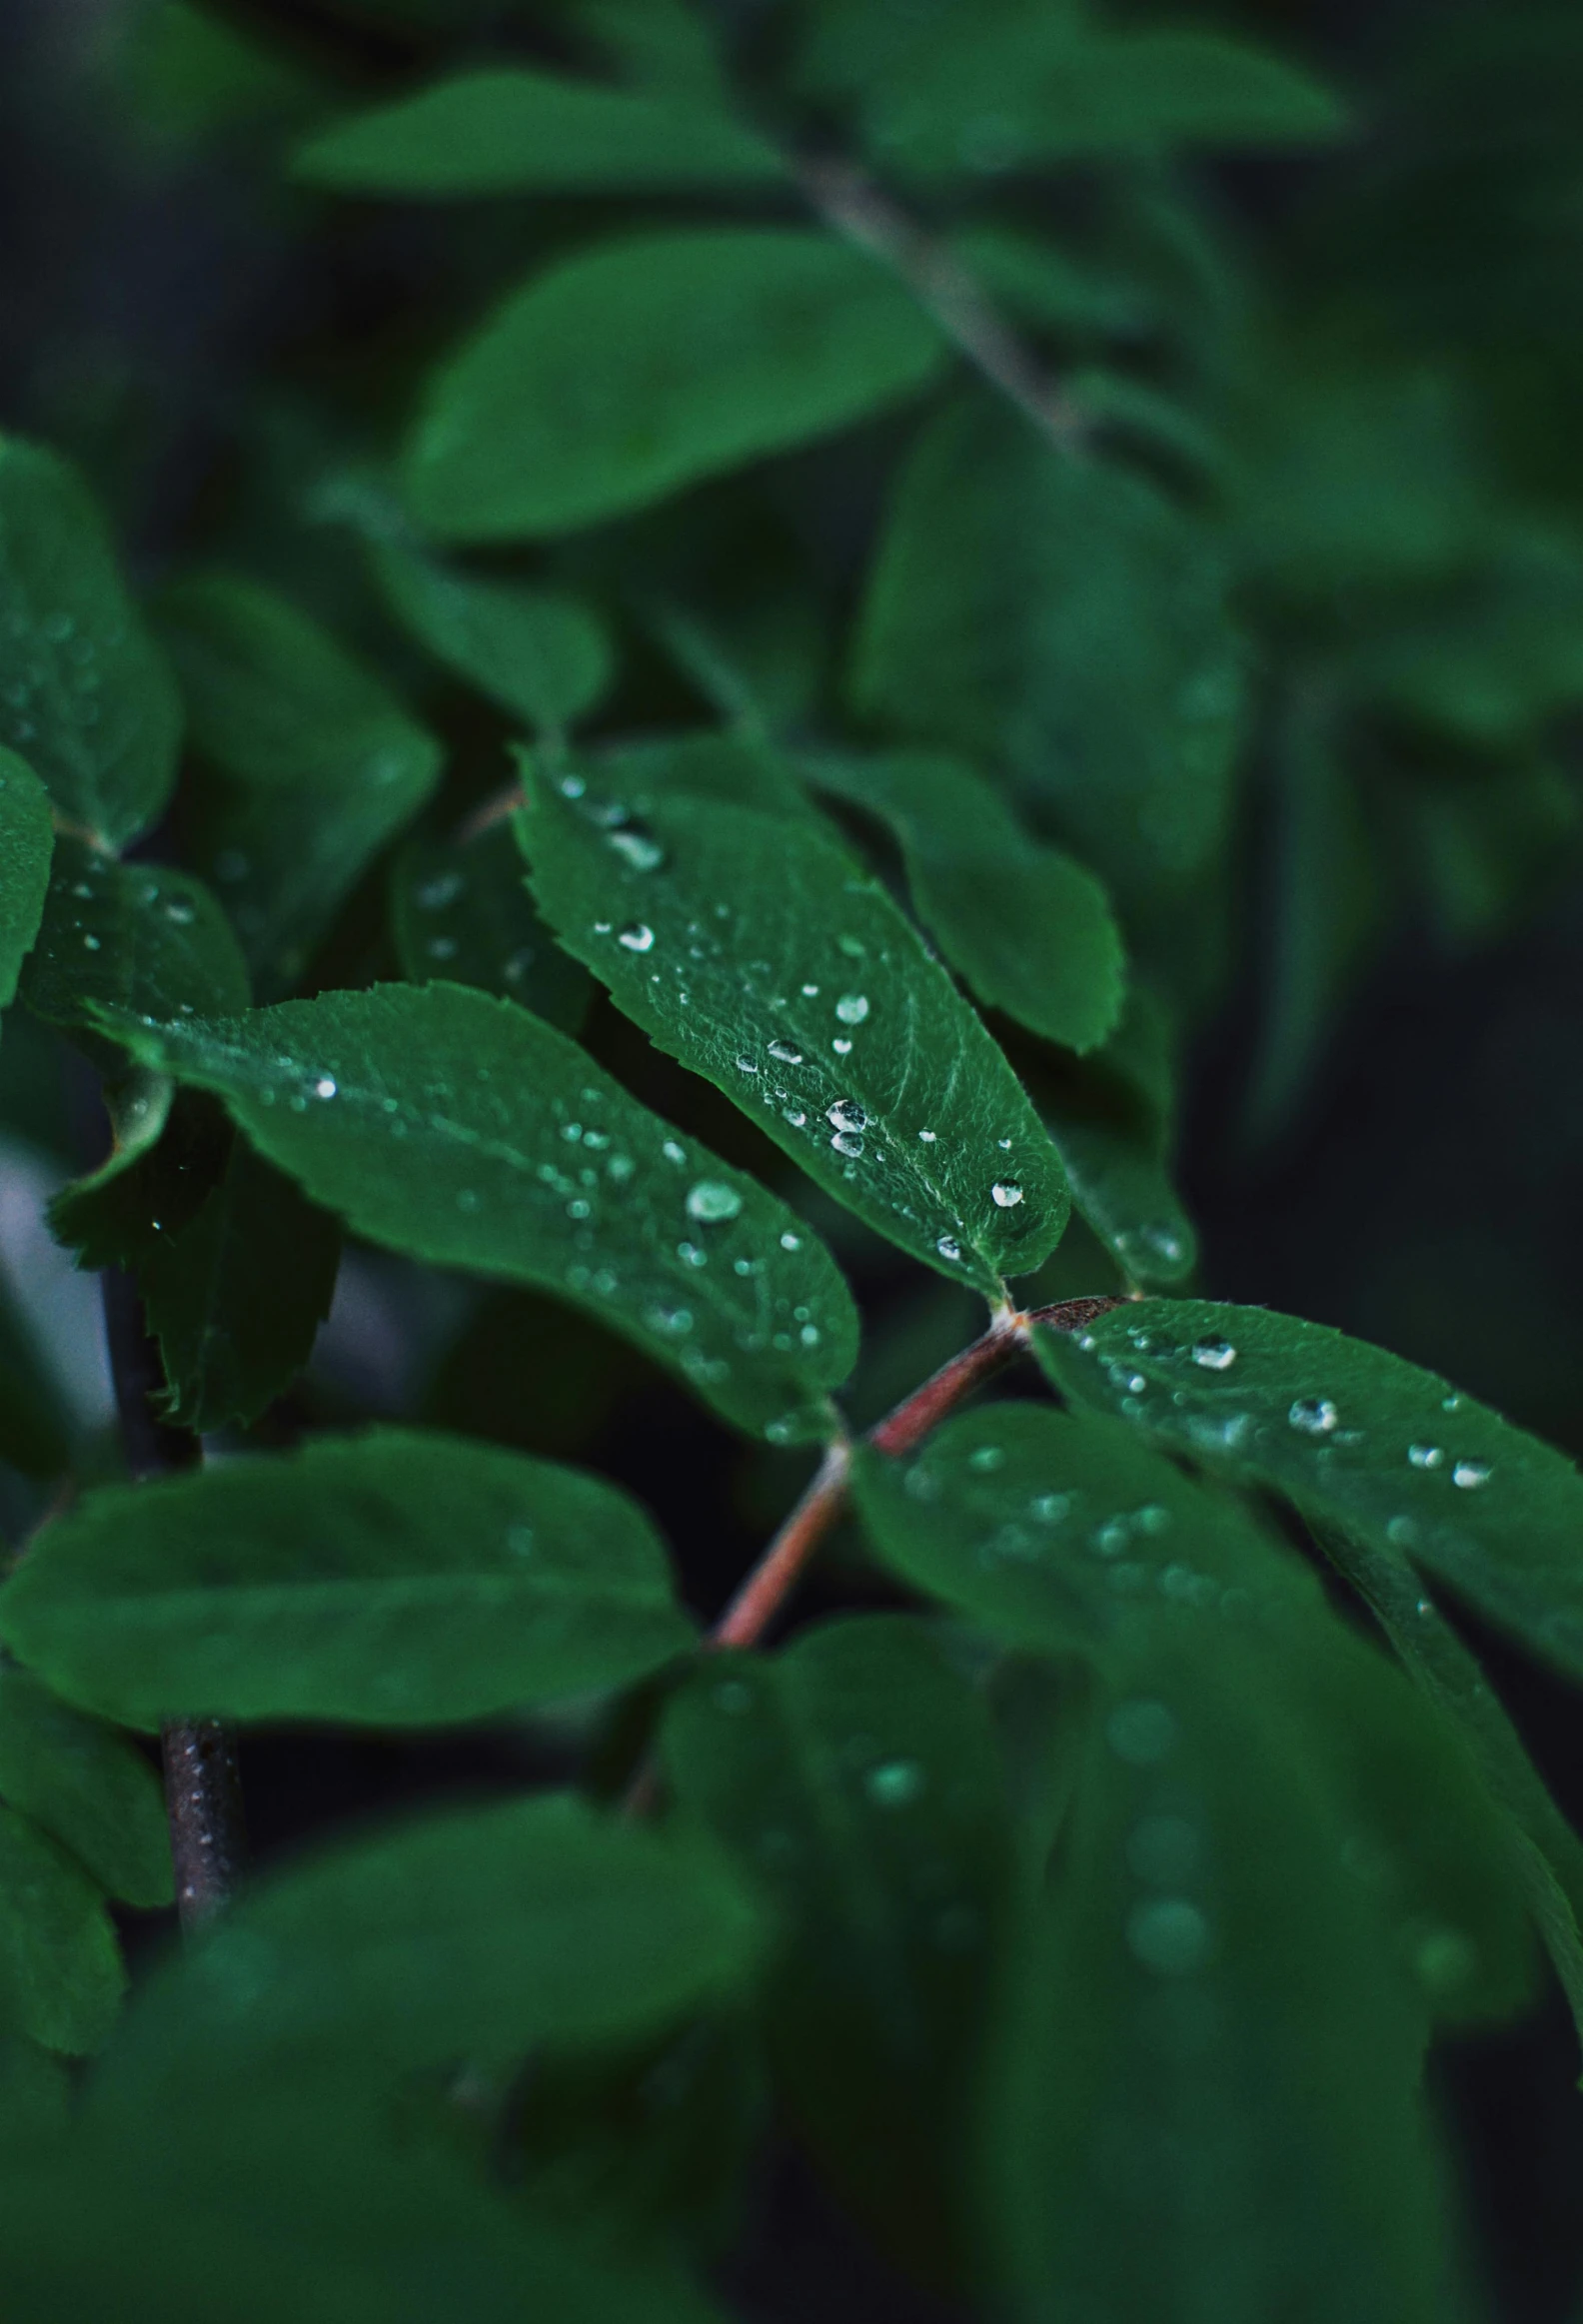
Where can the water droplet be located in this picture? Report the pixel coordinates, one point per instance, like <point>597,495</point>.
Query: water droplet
<point>638,937</point>
<point>1214,1355</point>
<point>431,895</point>
<point>1425,1456</point>
<point>849,1143</point>
<point>928,1137</point>
<point>1313,1415</point>
<point>986,1459</point>
<point>784,1052</point>
<point>948,1248</point>
<point>324,1086</point>
<point>809,1335</point>
<point>1141,1732</point>
<point>641,852</point>
<point>180,913</point>
<point>1470,1474</point>
<point>1170,1936</point>
<point>710,1200</point>
<point>847,1114</point>
<point>796,1116</point>
<point>746,1066</point>
<point>671,1151</point>
<point>853,1008</point>
<point>691,1255</point>
<point>1154,1517</point>
<point>790,1242</point>
<point>810,993</point>
<point>1051,1508</point>
<point>1007,1193</point>
<point>896,1785</point>
<point>91,944</point>
<point>442,948</point>
<point>571,786</point>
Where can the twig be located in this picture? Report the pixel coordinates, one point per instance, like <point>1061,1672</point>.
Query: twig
<point>202,1795</point>
<point>857,208</point>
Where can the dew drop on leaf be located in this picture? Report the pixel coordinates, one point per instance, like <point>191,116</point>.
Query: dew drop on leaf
<point>894,1784</point>
<point>1425,1456</point>
<point>637,937</point>
<point>853,1008</point>
<point>1214,1355</point>
<point>1470,1474</point>
<point>1007,1193</point>
<point>1313,1415</point>
<point>710,1200</point>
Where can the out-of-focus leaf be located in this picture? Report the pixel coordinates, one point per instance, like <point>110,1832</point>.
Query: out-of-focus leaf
<point>465,1131</point>
<point>518,131</point>
<point>87,1786</point>
<point>656,44</point>
<point>753,947</point>
<point>193,81</point>
<point>461,909</point>
<point>540,653</point>
<point>1482,843</point>
<point>1358,1439</point>
<point>61,1977</point>
<point>27,839</point>
<point>314,764</point>
<point>85,697</point>
<point>395,1577</point>
<point>632,370</point>
<point>36,1423</point>
<point>133,936</point>
<point>859,1779</point>
<point>35,2100</point>
<point>1059,617</point>
<point>1043,288</point>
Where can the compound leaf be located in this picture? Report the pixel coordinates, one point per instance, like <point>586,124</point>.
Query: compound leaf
<point>520,132</point>
<point>461,910</point>
<point>87,1786</point>
<point>85,697</point>
<point>753,947</point>
<point>395,1577</point>
<point>27,839</point>
<point>540,653</point>
<point>463,1131</point>
<point>625,373</point>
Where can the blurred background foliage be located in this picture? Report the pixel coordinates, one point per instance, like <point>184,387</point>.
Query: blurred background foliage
<point>1352,365</point>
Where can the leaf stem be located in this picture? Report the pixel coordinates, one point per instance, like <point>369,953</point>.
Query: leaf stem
<point>202,1795</point>
<point>860,212</point>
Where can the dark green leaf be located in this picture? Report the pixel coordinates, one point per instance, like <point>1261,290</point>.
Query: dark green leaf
<point>859,1779</point>
<point>477,1933</point>
<point>27,837</point>
<point>61,1978</point>
<point>520,132</point>
<point>538,652</point>
<point>632,779</point>
<point>84,695</point>
<point>395,1577</point>
<point>1028,926</point>
<point>1358,1439</point>
<point>461,910</point>
<point>463,1131</point>
<point>629,371</point>
<point>132,936</point>
<point>1061,617</point>
<point>1043,286</point>
<point>36,1423</point>
<point>1206,2094</point>
<point>35,2101</point>
<point>315,765</point>
<point>87,1786</point>
<point>1122,1186</point>
<point>753,948</point>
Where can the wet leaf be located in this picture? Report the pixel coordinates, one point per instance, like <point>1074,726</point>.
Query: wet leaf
<point>753,947</point>
<point>87,1786</point>
<point>26,839</point>
<point>396,1578</point>
<point>540,653</point>
<point>85,697</point>
<point>463,1130</point>
<point>461,910</point>
<point>630,371</point>
<point>135,936</point>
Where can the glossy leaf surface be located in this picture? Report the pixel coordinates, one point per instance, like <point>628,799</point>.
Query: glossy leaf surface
<point>463,1131</point>
<point>520,132</point>
<point>87,1786</point>
<point>753,948</point>
<point>85,697</point>
<point>630,371</point>
<point>394,1577</point>
<point>538,652</point>
<point>26,839</point>
<point>1357,1437</point>
<point>133,936</point>
<point>461,910</point>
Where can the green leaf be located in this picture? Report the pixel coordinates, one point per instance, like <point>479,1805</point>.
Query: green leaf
<point>315,765</point>
<point>35,2101</point>
<point>87,1786</point>
<point>1065,1535</point>
<point>522,132</point>
<point>133,936</point>
<point>1047,288</point>
<point>463,1131</point>
<point>858,1778</point>
<point>538,654</point>
<point>85,697</point>
<point>627,372</point>
<point>1205,2096</point>
<point>472,1934</point>
<point>1028,927</point>
<point>461,910</point>
<point>61,1977</point>
<point>396,1578</point>
<point>753,948</point>
<point>1357,1438</point>
<point>36,1423</point>
<point>1061,617</point>
<point>27,839</point>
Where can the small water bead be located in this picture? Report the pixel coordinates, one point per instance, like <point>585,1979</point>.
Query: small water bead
<point>440,949</point>
<point>1450,1404</point>
<point>638,937</point>
<point>809,1335</point>
<point>986,1459</point>
<point>853,1008</point>
<point>1141,1732</point>
<point>1214,1355</point>
<point>1170,1936</point>
<point>324,1086</point>
<point>571,786</point>
<point>671,1151</point>
<point>710,1200</point>
<point>847,1114</point>
<point>746,1066</point>
<point>928,1137</point>
<point>1313,1415</point>
<point>842,1049</point>
<point>785,1054</point>
<point>1136,1383</point>
<point>949,1247</point>
<point>790,1242</point>
<point>1425,1456</point>
<point>180,913</point>
<point>1051,1508</point>
<point>690,1256</point>
<point>796,1116</point>
<point>1006,1193</point>
<point>1470,1474</point>
<point>810,993</point>
<point>849,1143</point>
<point>898,1783</point>
<point>431,895</point>
<point>852,947</point>
<point>91,944</point>
<point>641,852</point>
<point>579,1209</point>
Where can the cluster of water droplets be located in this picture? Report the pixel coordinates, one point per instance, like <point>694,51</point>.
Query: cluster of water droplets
<point>53,674</point>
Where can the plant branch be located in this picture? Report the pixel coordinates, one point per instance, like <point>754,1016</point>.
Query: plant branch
<point>203,1795</point>
<point>856,208</point>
